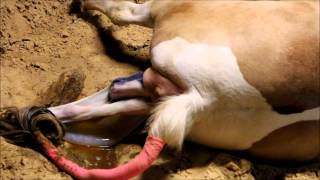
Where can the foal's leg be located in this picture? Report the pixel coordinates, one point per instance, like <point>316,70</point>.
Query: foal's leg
<point>127,95</point>
<point>97,105</point>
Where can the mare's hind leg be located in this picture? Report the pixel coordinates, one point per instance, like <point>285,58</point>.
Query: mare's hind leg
<point>122,12</point>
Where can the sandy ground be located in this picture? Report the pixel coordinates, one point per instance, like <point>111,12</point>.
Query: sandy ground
<point>40,40</point>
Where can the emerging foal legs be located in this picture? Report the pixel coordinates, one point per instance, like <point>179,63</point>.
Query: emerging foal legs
<point>127,95</point>
<point>97,105</point>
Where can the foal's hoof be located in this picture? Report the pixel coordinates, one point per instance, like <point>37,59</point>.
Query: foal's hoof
<point>136,77</point>
<point>18,125</point>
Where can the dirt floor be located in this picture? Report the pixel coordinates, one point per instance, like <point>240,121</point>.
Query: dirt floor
<point>40,40</point>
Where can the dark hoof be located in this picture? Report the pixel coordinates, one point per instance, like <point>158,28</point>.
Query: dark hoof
<point>18,125</point>
<point>136,77</point>
<point>119,81</point>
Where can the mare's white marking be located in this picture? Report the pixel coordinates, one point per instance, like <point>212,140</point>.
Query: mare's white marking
<point>221,109</point>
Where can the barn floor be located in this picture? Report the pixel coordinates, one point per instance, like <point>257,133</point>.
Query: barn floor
<point>40,40</point>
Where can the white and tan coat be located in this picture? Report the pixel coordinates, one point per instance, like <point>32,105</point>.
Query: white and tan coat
<point>249,70</point>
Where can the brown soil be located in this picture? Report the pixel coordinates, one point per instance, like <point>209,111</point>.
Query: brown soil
<point>40,40</point>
